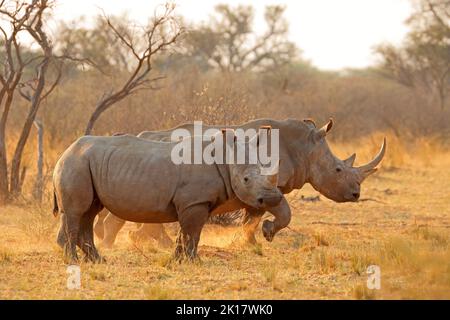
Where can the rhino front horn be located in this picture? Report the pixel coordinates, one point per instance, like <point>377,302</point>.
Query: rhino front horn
<point>369,168</point>
<point>271,172</point>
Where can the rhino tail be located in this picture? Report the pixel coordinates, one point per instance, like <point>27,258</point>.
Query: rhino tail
<point>55,204</point>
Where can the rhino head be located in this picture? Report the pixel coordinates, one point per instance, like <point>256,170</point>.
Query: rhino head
<point>253,188</point>
<point>251,184</point>
<point>337,179</point>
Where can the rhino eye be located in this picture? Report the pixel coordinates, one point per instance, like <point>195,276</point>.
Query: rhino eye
<point>245,179</point>
<point>338,169</point>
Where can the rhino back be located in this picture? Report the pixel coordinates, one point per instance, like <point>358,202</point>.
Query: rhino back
<point>291,172</point>
<point>133,178</point>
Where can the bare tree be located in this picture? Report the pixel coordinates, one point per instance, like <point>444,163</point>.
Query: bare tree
<point>229,43</point>
<point>38,188</point>
<point>22,18</point>
<point>161,34</point>
<point>432,12</point>
<point>423,61</point>
<point>97,44</point>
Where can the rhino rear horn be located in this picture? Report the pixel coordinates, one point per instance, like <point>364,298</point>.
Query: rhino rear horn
<point>322,132</point>
<point>350,160</point>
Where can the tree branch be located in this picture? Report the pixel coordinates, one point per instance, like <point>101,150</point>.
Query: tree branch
<point>138,77</point>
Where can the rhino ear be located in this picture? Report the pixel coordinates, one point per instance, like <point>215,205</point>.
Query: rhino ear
<point>260,132</point>
<point>310,122</point>
<point>266,127</point>
<point>322,132</point>
<point>226,133</point>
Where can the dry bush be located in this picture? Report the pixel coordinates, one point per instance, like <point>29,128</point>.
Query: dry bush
<point>6,255</point>
<point>324,260</point>
<point>156,292</point>
<point>361,292</point>
<point>37,224</point>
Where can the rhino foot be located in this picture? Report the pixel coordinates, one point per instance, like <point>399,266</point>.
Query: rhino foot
<point>268,230</point>
<point>70,255</point>
<point>178,257</point>
<point>94,259</point>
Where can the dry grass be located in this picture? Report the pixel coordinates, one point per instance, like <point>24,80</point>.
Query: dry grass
<point>324,254</point>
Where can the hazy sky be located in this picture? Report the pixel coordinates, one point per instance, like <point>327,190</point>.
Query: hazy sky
<point>332,34</point>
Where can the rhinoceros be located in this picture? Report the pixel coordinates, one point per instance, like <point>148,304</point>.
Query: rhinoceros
<point>136,180</point>
<point>305,157</point>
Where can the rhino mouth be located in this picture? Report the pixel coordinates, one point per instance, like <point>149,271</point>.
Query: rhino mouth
<point>353,197</point>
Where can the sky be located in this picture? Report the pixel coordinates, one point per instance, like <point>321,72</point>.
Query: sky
<point>332,34</point>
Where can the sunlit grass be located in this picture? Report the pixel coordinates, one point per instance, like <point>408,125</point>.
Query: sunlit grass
<point>324,254</point>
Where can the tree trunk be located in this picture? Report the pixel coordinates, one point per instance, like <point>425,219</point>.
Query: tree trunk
<point>4,190</point>
<point>3,171</point>
<point>39,183</point>
<point>91,122</point>
<point>15,186</point>
<point>99,109</point>
<point>23,174</point>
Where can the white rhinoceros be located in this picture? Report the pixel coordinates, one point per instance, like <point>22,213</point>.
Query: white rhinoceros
<point>137,180</point>
<point>305,157</point>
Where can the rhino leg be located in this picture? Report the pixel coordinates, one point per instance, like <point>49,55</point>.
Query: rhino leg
<point>191,222</point>
<point>187,244</point>
<point>178,255</point>
<point>153,231</point>
<point>282,214</point>
<point>112,226</point>
<point>68,237</point>
<point>99,225</point>
<point>75,195</point>
<point>251,221</point>
<point>86,233</point>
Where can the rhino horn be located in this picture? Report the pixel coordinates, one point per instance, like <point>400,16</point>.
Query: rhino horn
<point>271,173</point>
<point>369,168</point>
<point>273,179</point>
<point>350,160</point>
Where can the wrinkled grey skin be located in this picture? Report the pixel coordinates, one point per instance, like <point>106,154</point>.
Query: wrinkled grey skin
<point>136,180</point>
<point>305,158</point>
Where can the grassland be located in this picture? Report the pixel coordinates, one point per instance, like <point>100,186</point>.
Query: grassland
<point>403,226</point>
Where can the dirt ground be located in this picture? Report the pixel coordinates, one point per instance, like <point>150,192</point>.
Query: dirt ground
<point>403,226</point>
